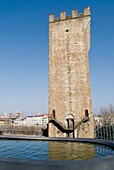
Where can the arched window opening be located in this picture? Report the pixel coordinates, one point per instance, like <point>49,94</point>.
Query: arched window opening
<point>53,114</point>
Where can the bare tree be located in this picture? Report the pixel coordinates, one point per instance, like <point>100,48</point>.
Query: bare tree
<point>107,114</point>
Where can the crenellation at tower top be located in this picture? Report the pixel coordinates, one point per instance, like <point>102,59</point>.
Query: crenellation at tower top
<point>74,14</point>
<point>87,11</point>
<point>62,15</point>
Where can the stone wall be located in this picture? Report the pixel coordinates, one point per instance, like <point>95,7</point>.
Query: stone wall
<point>69,79</point>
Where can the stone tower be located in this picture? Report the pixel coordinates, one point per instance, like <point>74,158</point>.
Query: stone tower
<point>69,80</point>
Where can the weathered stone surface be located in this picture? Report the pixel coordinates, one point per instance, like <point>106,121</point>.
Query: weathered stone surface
<point>69,79</point>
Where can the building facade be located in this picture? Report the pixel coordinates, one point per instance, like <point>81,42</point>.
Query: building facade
<point>69,78</point>
<point>38,120</point>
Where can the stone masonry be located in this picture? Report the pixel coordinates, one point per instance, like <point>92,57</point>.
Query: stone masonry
<point>69,79</point>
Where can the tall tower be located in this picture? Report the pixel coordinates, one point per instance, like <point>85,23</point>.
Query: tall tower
<point>69,79</point>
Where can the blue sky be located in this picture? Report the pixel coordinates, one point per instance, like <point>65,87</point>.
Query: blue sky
<point>24,52</point>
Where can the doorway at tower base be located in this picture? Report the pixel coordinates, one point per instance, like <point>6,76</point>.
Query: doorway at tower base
<point>79,130</point>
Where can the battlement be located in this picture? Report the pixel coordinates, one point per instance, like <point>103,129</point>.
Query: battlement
<point>74,14</point>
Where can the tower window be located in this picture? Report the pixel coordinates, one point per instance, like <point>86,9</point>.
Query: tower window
<point>53,113</point>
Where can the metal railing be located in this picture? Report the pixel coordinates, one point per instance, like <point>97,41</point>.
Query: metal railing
<point>103,129</point>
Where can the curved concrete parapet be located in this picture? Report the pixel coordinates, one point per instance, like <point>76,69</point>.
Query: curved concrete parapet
<point>104,163</point>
